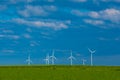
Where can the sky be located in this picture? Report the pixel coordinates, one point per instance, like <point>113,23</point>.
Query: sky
<point>36,27</point>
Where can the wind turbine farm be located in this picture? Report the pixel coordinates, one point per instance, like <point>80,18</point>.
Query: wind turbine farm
<point>60,64</point>
<point>50,59</point>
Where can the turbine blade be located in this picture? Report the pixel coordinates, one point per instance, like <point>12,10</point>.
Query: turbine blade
<point>26,61</point>
<point>51,56</point>
<point>89,50</point>
<point>94,51</point>
<point>69,58</point>
<point>54,57</point>
<point>74,58</point>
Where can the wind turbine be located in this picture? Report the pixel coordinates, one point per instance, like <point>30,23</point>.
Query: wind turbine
<point>29,61</point>
<point>83,61</point>
<point>71,58</point>
<point>53,57</point>
<point>47,59</point>
<point>91,57</point>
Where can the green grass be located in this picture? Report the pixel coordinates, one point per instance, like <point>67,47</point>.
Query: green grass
<point>59,73</point>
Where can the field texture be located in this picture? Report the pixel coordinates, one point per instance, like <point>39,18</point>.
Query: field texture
<point>59,73</point>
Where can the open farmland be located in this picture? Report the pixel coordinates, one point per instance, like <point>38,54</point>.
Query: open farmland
<point>59,73</point>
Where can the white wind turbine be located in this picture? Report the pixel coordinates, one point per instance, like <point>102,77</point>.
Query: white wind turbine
<point>91,57</point>
<point>29,61</point>
<point>47,59</point>
<point>53,57</point>
<point>71,58</point>
<point>83,61</point>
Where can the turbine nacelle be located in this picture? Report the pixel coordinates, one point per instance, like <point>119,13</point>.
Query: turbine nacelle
<point>71,57</point>
<point>28,61</point>
<point>84,60</point>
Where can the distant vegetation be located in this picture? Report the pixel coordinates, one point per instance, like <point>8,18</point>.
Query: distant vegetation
<point>59,73</point>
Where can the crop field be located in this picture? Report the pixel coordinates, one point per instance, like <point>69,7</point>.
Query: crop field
<point>59,73</point>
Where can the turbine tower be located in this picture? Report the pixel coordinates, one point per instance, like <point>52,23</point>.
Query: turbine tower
<point>53,57</point>
<point>29,61</point>
<point>71,58</point>
<point>91,57</point>
<point>47,59</point>
<point>83,61</point>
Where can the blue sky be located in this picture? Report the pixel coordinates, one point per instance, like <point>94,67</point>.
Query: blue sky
<point>36,27</point>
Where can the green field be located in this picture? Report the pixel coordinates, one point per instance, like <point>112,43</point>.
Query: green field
<point>59,73</point>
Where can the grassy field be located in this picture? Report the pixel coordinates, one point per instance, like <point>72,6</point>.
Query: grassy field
<point>59,73</point>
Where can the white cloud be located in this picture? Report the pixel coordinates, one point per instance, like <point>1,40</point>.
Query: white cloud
<point>17,1</point>
<point>109,39</point>
<point>103,39</point>
<point>33,11</point>
<point>34,43</point>
<point>46,37</point>
<point>79,0</point>
<point>112,15</point>
<point>28,36</point>
<point>56,25</point>
<point>3,7</point>
<point>96,1</point>
<point>109,17</point>
<point>94,14</point>
<point>77,13</point>
<point>29,0</point>
<point>94,22</point>
<point>37,10</point>
<point>45,33</point>
<point>13,36</point>
<point>7,31</point>
<point>1,36</point>
<point>8,51</point>
<point>50,0</point>
<point>110,0</point>
<point>50,8</point>
<point>117,39</point>
<point>10,36</point>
